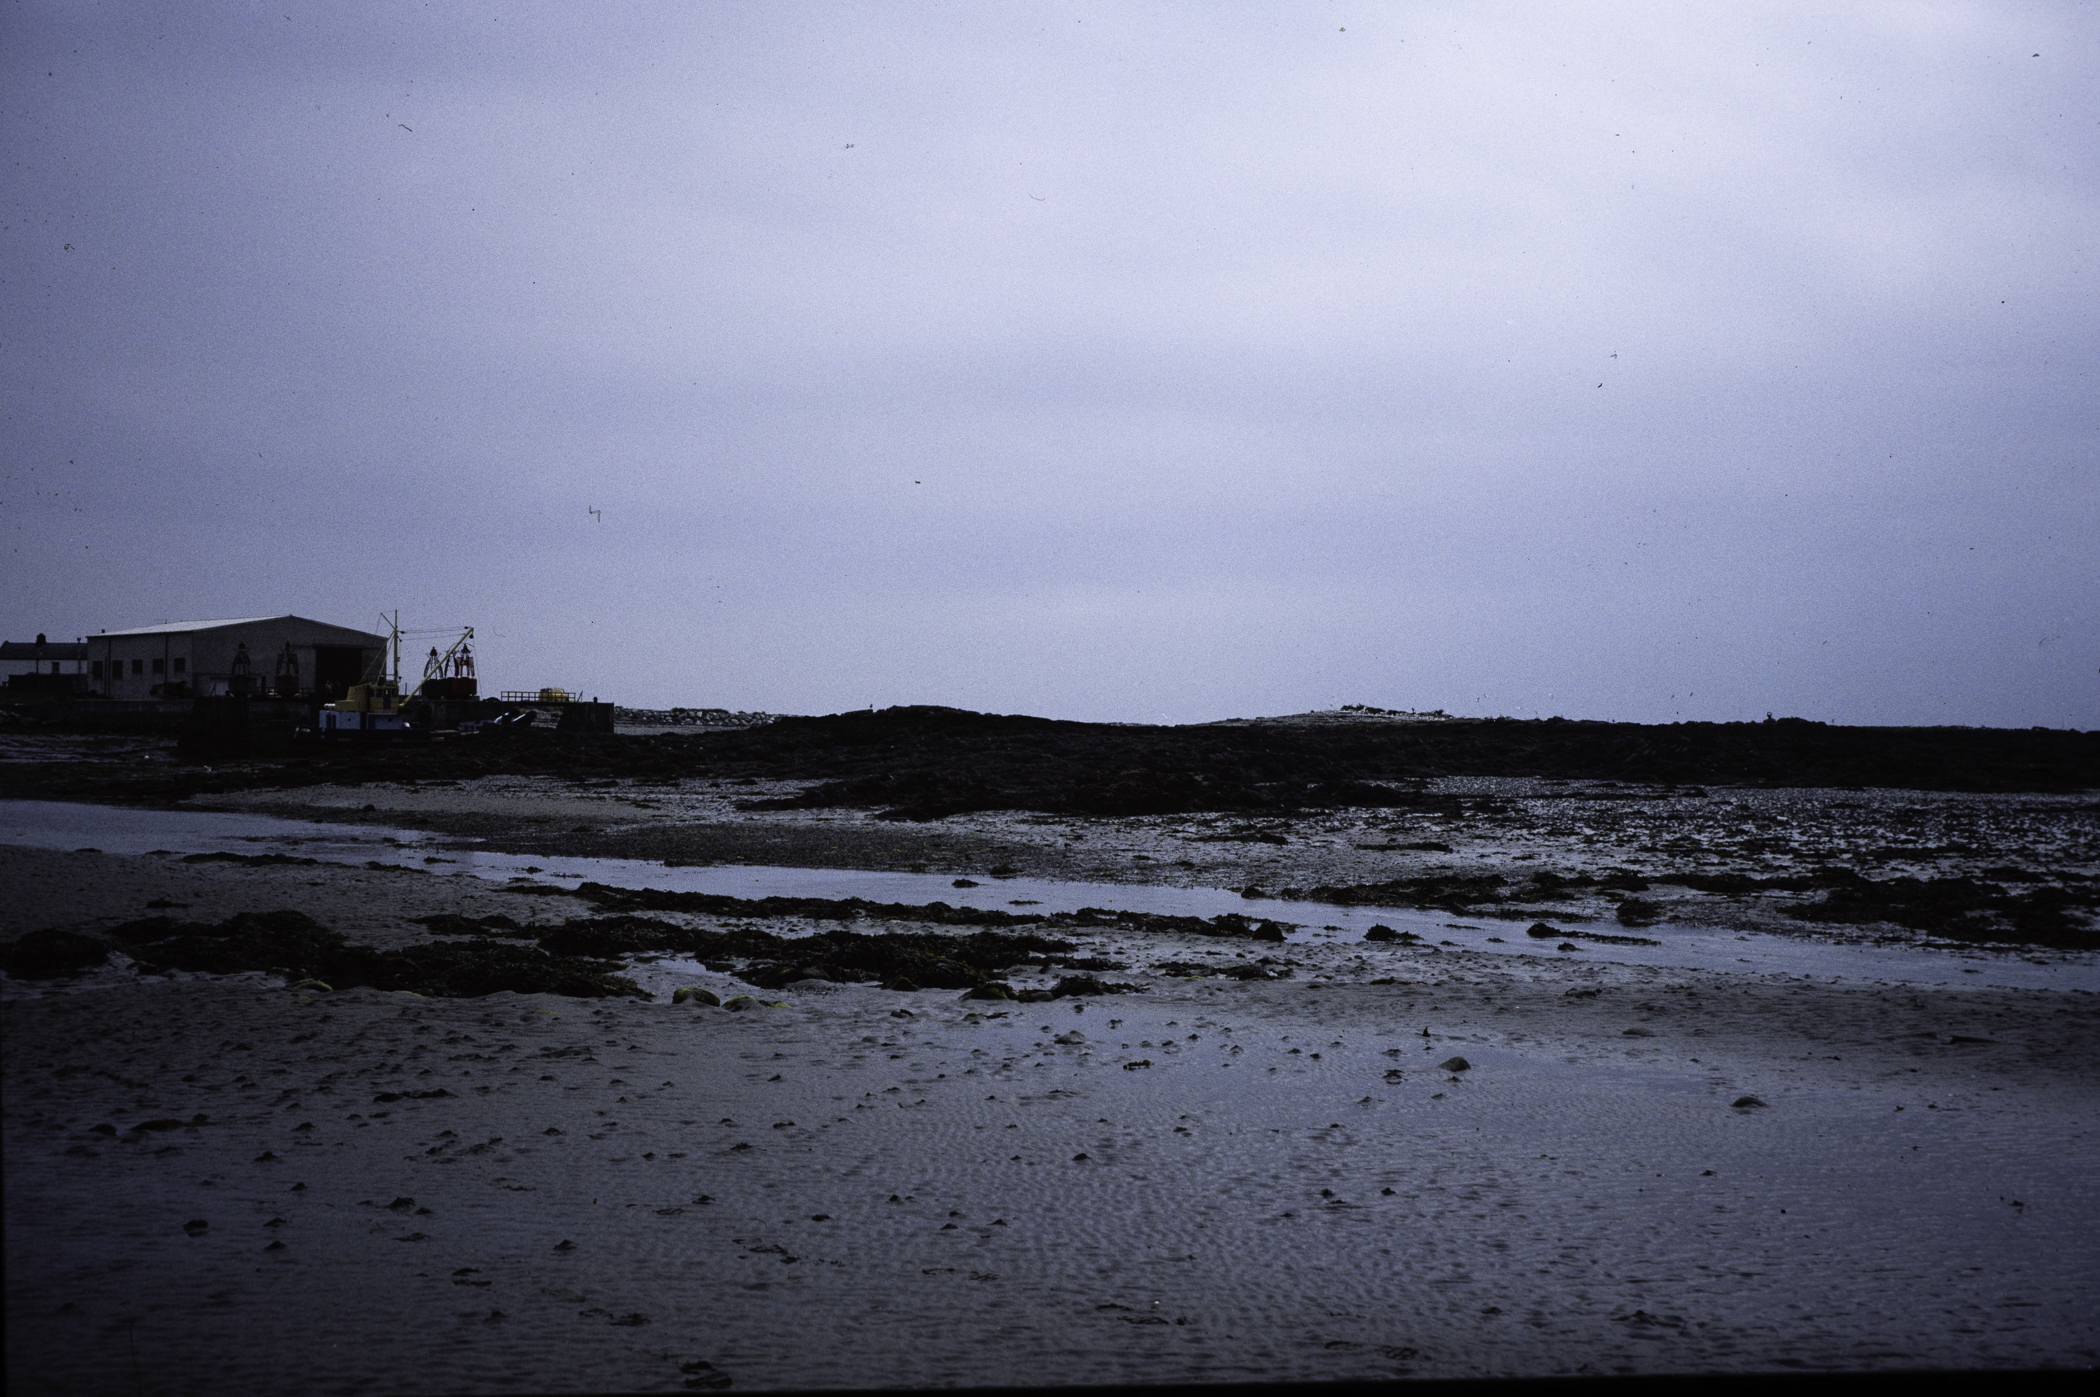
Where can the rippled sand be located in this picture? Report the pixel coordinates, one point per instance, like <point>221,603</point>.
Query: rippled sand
<point>1209,1181</point>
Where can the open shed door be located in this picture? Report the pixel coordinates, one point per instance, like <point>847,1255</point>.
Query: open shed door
<point>336,668</point>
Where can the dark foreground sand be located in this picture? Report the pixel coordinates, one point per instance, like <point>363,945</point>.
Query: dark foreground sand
<point>1209,1181</point>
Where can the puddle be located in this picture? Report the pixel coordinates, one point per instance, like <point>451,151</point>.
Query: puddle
<point>120,830</point>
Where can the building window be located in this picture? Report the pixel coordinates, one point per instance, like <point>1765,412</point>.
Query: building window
<point>138,666</point>
<point>181,664</point>
<point>95,668</point>
<point>160,666</point>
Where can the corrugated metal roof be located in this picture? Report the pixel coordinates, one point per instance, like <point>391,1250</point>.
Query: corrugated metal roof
<point>183,627</point>
<point>177,627</point>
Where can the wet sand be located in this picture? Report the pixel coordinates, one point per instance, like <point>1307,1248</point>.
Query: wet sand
<point>1211,1180</point>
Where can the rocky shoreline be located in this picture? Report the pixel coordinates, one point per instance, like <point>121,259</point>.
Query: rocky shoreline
<point>597,1137</point>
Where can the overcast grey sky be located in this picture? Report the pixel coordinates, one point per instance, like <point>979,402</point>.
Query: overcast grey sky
<point>1141,361</point>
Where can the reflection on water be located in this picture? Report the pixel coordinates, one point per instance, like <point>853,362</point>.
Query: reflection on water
<point>117,830</point>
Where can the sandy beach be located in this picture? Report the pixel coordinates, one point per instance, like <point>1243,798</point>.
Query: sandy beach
<point>224,1183</point>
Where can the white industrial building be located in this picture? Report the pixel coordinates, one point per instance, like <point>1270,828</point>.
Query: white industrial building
<point>279,656</point>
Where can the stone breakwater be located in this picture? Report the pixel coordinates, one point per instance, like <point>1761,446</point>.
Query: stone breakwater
<point>691,717</point>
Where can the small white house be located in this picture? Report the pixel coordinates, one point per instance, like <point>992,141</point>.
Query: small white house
<point>279,656</point>
<point>42,657</point>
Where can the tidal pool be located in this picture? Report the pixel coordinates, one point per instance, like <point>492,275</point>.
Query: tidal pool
<point>124,830</point>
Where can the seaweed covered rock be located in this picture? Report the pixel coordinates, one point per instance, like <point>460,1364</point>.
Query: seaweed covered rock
<point>470,969</point>
<point>284,941</point>
<point>1225,924</point>
<point>779,976</point>
<point>292,944</point>
<point>454,924</point>
<point>1071,985</point>
<point>1961,908</point>
<point>933,960</point>
<point>613,936</point>
<point>1453,892</point>
<point>51,953</point>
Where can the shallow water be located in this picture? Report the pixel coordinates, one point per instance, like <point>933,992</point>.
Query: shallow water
<point>122,830</point>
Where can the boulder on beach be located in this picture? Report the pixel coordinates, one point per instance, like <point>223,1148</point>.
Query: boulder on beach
<point>50,953</point>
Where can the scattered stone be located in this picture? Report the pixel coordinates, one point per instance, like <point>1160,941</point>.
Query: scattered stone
<point>1454,1064</point>
<point>694,994</point>
<point>1746,1101</point>
<point>1638,1033</point>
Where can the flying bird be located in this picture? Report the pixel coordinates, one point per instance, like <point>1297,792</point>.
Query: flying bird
<point>595,513</point>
